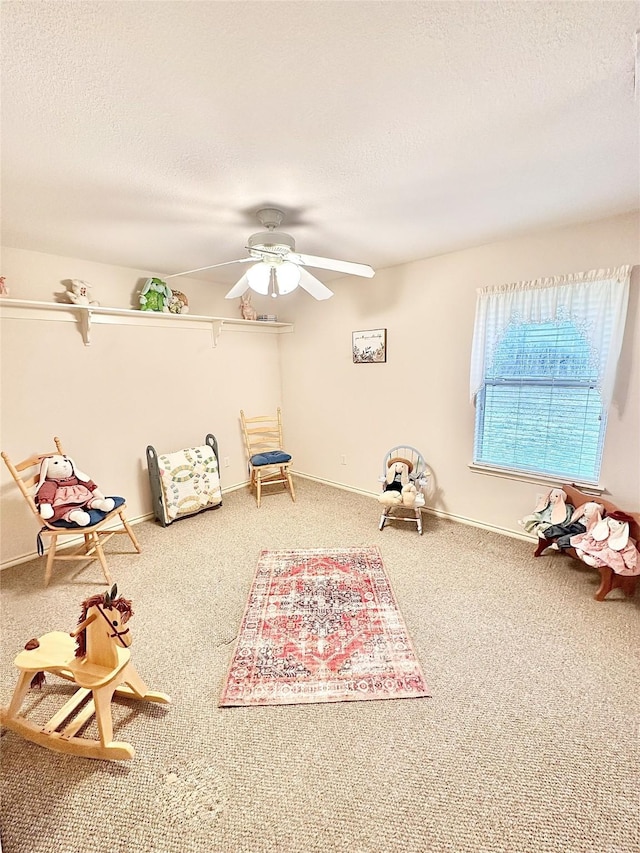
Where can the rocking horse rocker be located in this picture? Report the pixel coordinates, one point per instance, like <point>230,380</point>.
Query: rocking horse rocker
<point>99,665</point>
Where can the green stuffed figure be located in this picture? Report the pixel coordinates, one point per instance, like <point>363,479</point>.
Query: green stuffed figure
<point>155,295</point>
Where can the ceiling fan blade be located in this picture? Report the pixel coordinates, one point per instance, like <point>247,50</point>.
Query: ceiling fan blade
<point>211,267</point>
<point>238,288</point>
<point>331,264</point>
<point>313,286</point>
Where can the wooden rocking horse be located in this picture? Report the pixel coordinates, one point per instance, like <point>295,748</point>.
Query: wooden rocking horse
<point>99,665</point>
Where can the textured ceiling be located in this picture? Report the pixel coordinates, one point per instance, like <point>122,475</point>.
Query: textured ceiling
<point>146,134</point>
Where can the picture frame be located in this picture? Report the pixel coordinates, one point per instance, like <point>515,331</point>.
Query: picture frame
<point>369,346</point>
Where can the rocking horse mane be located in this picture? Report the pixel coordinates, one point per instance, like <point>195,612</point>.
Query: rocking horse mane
<point>122,605</point>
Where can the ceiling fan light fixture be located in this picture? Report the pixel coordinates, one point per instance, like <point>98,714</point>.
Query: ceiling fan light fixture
<point>288,277</point>
<point>276,268</point>
<point>259,277</point>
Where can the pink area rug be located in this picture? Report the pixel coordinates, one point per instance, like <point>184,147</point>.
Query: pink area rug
<point>322,626</point>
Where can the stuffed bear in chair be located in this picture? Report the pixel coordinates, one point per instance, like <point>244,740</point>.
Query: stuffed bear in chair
<point>63,493</point>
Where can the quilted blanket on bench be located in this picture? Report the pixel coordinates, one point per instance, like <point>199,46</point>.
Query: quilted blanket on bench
<point>190,481</point>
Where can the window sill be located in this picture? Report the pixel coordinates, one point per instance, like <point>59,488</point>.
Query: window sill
<point>540,479</point>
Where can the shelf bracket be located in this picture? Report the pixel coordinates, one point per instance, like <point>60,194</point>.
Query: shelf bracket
<point>84,319</point>
<point>216,328</point>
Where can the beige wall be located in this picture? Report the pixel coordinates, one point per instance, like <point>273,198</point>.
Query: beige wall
<point>133,386</point>
<point>421,395</point>
<point>43,277</point>
<point>169,387</point>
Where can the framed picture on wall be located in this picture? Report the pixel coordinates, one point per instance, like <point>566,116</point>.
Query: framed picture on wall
<point>369,347</point>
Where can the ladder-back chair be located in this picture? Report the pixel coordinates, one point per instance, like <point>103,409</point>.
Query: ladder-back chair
<point>26,475</point>
<point>268,462</point>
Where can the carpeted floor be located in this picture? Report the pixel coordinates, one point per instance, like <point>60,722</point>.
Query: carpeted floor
<point>529,744</point>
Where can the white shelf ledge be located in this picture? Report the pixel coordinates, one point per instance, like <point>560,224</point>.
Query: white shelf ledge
<point>86,316</point>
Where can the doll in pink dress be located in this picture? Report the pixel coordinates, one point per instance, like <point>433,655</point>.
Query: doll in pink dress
<point>608,543</point>
<point>65,494</point>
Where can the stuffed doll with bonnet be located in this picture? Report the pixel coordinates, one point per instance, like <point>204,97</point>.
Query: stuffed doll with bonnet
<point>558,536</point>
<point>64,493</point>
<point>552,508</point>
<point>608,543</point>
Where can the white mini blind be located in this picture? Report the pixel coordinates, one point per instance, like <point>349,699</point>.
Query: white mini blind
<point>547,351</point>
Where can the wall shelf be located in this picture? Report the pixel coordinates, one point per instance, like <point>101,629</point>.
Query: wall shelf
<point>86,316</point>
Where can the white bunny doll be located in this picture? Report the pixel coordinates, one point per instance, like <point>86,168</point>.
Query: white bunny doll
<point>64,493</point>
<point>395,484</point>
<point>80,292</point>
<point>558,536</point>
<point>608,543</point>
<point>552,508</point>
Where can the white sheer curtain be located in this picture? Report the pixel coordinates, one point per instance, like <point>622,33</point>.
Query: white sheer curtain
<point>596,301</point>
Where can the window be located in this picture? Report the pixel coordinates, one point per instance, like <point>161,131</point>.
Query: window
<point>543,368</point>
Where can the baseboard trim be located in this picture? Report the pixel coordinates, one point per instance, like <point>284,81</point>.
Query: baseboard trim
<point>77,540</point>
<point>340,486</point>
<point>471,522</point>
<point>491,528</point>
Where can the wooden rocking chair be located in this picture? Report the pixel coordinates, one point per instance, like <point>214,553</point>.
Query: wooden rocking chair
<point>92,548</point>
<point>98,662</point>
<point>268,462</point>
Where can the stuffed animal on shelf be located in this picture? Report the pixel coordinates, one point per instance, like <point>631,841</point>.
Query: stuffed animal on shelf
<point>247,310</point>
<point>608,543</point>
<point>552,508</point>
<point>80,292</point>
<point>64,494</point>
<point>178,303</point>
<point>557,537</point>
<point>155,295</point>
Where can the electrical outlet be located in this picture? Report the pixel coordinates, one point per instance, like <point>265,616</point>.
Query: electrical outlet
<point>343,459</point>
<point>226,461</point>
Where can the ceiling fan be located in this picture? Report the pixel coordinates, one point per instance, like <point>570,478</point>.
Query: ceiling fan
<point>277,268</point>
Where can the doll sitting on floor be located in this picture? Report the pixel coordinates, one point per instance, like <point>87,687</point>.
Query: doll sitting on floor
<point>557,537</point>
<point>64,493</point>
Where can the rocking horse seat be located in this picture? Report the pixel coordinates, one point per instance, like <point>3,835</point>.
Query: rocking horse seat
<point>90,675</point>
<point>56,651</point>
<point>56,654</point>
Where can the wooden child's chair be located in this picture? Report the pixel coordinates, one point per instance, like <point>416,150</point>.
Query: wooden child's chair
<point>416,474</point>
<point>95,533</point>
<point>96,657</point>
<point>268,462</point>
